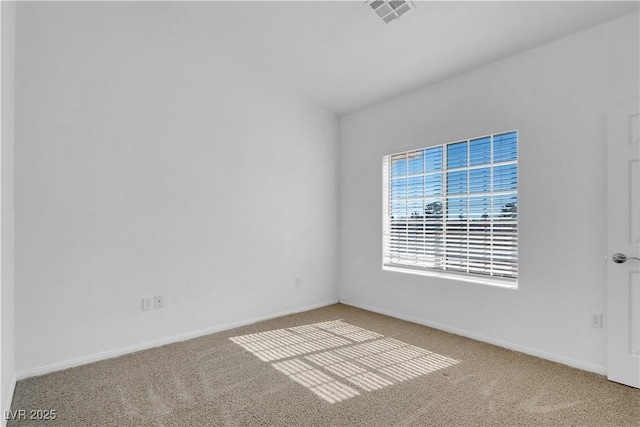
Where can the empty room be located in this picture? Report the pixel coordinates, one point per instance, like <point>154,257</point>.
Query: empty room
<point>320,213</point>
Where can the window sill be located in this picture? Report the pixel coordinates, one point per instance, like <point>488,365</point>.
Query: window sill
<point>461,277</point>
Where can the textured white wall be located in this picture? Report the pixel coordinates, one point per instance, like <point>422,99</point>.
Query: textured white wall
<point>7,231</point>
<point>148,164</point>
<point>556,96</point>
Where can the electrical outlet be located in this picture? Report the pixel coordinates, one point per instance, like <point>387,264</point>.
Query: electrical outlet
<point>147,303</point>
<point>157,301</point>
<point>596,320</point>
<point>298,283</point>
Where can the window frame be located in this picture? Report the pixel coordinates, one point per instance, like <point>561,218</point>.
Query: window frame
<point>505,282</point>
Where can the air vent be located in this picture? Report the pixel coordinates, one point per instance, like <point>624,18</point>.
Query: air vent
<point>390,10</point>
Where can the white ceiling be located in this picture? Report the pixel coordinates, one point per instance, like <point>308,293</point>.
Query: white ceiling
<point>342,55</point>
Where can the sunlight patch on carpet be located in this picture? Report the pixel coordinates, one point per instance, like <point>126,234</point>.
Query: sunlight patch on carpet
<point>336,360</point>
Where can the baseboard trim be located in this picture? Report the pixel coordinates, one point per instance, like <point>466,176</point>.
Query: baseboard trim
<point>7,404</point>
<point>160,342</point>
<point>500,343</point>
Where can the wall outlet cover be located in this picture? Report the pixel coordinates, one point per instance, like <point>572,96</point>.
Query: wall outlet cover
<point>596,320</point>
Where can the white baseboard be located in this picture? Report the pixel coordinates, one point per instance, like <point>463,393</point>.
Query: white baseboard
<point>163,341</point>
<point>7,404</point>
<point>511,346</point>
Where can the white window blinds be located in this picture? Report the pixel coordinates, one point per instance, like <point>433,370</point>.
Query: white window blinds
<point>454,207</point>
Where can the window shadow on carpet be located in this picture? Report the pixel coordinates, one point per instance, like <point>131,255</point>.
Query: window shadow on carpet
<point>338,361</point>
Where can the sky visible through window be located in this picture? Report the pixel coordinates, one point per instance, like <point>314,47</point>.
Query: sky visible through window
<point>454,206</point>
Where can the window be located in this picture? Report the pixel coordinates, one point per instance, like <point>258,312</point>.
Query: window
<point>452,209</point>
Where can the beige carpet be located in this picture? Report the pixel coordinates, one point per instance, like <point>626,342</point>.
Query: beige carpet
<point>346,367</point>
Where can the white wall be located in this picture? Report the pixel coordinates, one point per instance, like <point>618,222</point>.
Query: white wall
<point>556,96</point>
<point>7,227</point>
<point>148,164</point>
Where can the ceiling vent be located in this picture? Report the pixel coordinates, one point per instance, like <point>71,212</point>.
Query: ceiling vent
<point>390,10</point>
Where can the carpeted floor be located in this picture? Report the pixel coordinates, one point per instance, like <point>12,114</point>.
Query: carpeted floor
<point>335,366</point>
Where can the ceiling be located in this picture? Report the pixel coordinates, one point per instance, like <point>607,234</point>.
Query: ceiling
<point>342,55</point>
